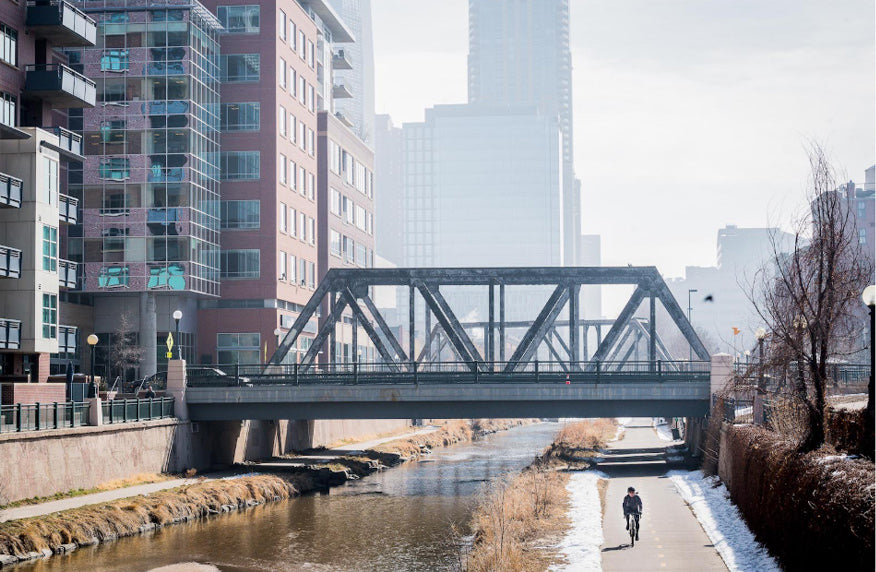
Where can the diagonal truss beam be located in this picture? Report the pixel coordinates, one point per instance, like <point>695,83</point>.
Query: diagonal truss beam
<point>327,327</point>
<point>365,323</point>
<point>620,324</point>
<point>550,346</point>
<point>457,336</point>
<point>300,322</point>
<point>677,314</point>
<point>384,328</point>
<point>612,355</point>
<point>536,333</point>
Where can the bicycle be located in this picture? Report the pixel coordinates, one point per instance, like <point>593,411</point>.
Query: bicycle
<point>634,528</point>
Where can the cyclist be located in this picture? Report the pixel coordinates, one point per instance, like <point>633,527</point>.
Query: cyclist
<point>632,506</point>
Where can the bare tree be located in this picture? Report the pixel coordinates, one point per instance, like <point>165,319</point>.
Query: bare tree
<point>126,351</point>
<point>809,297</point>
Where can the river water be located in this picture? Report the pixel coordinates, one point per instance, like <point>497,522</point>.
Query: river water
<point>394,520</point>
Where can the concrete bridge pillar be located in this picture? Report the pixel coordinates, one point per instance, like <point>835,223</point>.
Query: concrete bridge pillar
<point>721,374</point>
<point>176,387</point>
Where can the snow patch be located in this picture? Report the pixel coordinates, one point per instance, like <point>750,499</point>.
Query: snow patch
<point>662,430</point>
<point>581,545</point>
<point>722,522</point>
<point>835,458</point>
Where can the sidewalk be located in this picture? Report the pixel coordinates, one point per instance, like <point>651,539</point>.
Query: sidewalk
<point>41,509</point>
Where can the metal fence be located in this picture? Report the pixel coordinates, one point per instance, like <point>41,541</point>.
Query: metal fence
<point>22,417</point>
<point>127,410</point>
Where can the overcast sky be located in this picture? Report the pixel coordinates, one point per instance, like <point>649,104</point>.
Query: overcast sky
<point>689,114</point>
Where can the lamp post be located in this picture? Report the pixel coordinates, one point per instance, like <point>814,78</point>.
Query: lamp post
<point>177,316</point>
<point>869,297</point>
<point>689,308</point>
<point>760,334</point>
<point>92,341</point>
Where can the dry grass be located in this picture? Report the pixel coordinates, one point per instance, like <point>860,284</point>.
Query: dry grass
<point>517,522</point>
<point>578,443</point>
<point>412,447</point>
<point>139,479</point>
<point>126,517</point>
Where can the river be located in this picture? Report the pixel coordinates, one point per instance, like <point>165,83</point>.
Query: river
<point>398,519</point>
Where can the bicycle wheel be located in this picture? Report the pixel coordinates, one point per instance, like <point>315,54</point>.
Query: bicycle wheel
<point>634,527</point>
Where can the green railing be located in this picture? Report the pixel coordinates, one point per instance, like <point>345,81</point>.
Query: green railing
<point>22,417</point>
<point>128,410</point>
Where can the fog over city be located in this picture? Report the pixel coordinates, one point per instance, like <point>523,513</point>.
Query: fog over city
<point>688,116</point>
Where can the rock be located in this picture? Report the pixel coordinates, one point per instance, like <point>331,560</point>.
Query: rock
<point>93,541</point>
<point>46,552</point>
<point>212,511</point>
<point>147,527</point>
<point>31,556</point>
<point>65,548</point>
<point>7,560</point>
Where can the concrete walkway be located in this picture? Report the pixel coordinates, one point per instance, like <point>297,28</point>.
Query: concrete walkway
<point>40,509</point>
<point>671,538</point>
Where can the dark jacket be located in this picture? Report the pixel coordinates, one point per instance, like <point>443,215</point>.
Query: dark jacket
<point>632,504</point>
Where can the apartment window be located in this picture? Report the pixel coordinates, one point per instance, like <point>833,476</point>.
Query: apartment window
<point>293,218</point>
<point>335,152</point>
<point>302,178</point>
<point>281,165</point>
<point>361,256</point>
<point>348,207</point>
<point>293,262</point>
<point>281,73</point>
<point>50,316</point>
<point>311,275</point>
<point>369,223</point>
<point>360,177</point>
<point>293,175</point>
<point>335,204</point>
<point>311,230</point>
<point>293,126</point>
<point>302,271</point>
<point>302,89</point>
<point>281,259</point>
<point>293,81</point>
<point>50,248</point>
<point>302,132</point>
<point>282,121</point>
<point>238,68</point>
<point>8,45</point>
<point>238,347</point>
<point>348,168</point>
<point>310,142</point>
<point>8,109</point>
<point>310,58</point>
<point>310,97</point>
<point>114,168</point>
<point>282,217</point>
<point>310,186</point>
<point>239,19</point>
<point>300,44</point>
<point>114,60</point>
<point>281,25</point>
<point>50,169</point>
<point>292,35</point>
<point>335,243</point>
<point>240,165</point>
<point>242,263</point>
<point>360,217</point>
<point>241,116</point>
<point>302,225</point>
<point>240,215</point>
<point>862,236</point>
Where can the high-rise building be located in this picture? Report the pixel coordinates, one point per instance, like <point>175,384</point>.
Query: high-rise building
<point>37,88</point>
<point>354,68</point>
<point>389,203</point>
<point>519,55</point>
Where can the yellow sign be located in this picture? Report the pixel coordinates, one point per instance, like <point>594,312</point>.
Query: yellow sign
<point>169,355</point>
<point>169,341</point>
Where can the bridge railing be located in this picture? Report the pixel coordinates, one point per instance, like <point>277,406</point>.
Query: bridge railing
<point>446,372</point>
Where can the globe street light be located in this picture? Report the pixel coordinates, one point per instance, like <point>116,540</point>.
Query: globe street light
<point>92,341</point>
<point>869,298</point>
<point>177,316</point>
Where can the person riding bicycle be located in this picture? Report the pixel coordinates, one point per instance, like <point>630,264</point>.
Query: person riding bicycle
<point>632,506</point>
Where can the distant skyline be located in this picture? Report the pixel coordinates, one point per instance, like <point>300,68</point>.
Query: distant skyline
<point>688,115</point>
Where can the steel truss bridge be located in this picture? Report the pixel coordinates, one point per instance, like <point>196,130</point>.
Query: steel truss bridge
<point>479,380</point>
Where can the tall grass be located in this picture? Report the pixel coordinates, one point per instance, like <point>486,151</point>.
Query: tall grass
<point>577,444</point>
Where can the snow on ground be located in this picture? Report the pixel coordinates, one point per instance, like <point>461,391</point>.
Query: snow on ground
<point>721,520</point>
<point>662,430</point>
<point>581,545</point>
<point>621,426</point>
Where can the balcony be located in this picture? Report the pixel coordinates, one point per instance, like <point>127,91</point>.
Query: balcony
<point>60,23</point>
<point>69,145</point>
<point>341,91</point>
<point>59,85</point>
<point>10,334</point>
<point>10,191</point>
<point>10,262</point>
<point>341,60</point>
<point>66,273</point>
<point>67,209</point>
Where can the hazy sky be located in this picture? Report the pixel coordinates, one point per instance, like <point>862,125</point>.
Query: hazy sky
<point>689,114</point>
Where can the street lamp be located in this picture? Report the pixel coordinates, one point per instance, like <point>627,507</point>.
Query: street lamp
<point>177,316</point>
<point>869,297</point>
<point>92,341</point>
<point>760,334</point>
<point>689,308</point>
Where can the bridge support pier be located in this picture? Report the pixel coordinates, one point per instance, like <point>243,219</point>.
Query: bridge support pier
<point>721,374</point>
<point>176,387</point>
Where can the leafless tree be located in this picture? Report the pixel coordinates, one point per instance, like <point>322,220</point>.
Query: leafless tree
<point>809,298</point>
<point>126,352</point>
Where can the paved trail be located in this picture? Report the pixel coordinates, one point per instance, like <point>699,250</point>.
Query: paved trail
<point>671,538</point>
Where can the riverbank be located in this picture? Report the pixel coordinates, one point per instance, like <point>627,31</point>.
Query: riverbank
<point>520,522</point>
<point>66,531</point>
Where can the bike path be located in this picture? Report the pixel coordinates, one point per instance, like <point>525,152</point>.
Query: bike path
<point>671,538</point>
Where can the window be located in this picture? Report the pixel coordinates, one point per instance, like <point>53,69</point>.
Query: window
<point>114,168</point>
<point>862,236</point>
<point>114,60</point>
<point>281,166</point>
<point>240,215</point>
<point>311,275</point>
<point>360,217</point>
<point>302,271</point>
<point>293,126</point>
<point>239,67</point>
<point>293,218</point>
<point>240,165</point>
<point>292,35</point>
<point>281,25</point>
<point>282,121</point>
<point>361,256</point>
<point>302,224</point>
<point>310,58</point>
<point>335,243</point>
<point>239,19</point>
<point>310,186</point>
<point>8,45</point>
<point>359,180</point>
<point>300,44</point>
<point>50,168</point>
<point>302,187</point>
<point>281,73</point>
<point>293,175</point>
<point>369,223</point>
<point>348,208</point>
<point>293,81</point>
<point>302,132</point>
<point>240,263</point>
<point>238,348</point>
<point>311,230</point>
<point>335,152</point>
<point>241,116</point>
<point>50,316</point>
<point>310,142</point>
<point>282,218</point>
<point>302,89</point>
<point>8,109</point>
<point>335,204</point>
<point>310,97</point>
<point>281,259</point>
<point>50,248</point>
<point>292,265</point>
